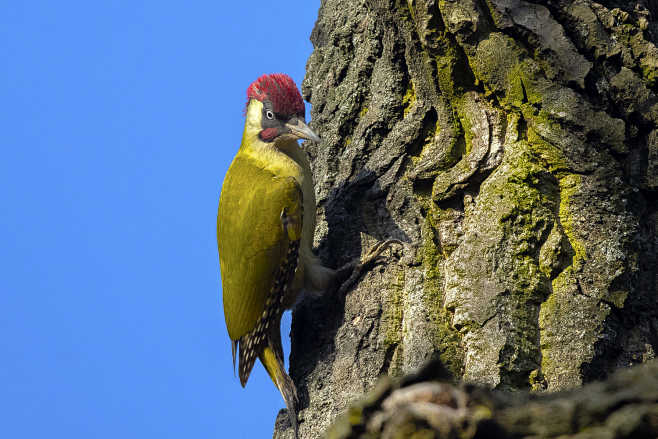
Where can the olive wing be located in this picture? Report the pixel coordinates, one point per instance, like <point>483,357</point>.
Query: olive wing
<point>252,240</point>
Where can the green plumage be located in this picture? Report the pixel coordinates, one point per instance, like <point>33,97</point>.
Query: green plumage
<point>252,241</point>
<point>264,237</point>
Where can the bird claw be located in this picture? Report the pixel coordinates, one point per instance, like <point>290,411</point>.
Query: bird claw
<point>358,267</point>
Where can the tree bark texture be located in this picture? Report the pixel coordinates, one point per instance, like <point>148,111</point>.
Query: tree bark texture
<point>624,406</point>
<point>513,146</point>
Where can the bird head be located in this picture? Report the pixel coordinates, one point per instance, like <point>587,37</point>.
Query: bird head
<point>276,110</point>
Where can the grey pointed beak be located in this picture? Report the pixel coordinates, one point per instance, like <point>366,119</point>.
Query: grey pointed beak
<point>298,128</point>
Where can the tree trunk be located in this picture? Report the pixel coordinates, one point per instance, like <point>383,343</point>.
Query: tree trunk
<point>624,406</point>
<point>513,146</point>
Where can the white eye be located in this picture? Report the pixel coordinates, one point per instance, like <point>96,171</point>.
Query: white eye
<point>269,114</point>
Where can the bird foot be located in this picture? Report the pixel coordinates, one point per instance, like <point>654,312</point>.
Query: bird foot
<point>355,268</point>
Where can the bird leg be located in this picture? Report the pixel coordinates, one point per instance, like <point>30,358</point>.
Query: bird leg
<point>348,274</point>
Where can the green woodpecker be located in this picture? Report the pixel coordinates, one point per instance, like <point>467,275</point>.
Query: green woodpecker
<point>265,226</point>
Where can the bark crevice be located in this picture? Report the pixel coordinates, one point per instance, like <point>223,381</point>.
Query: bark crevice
<point>513,146</point>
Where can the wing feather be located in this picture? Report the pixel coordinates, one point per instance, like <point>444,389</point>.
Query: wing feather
<point>251,239</point>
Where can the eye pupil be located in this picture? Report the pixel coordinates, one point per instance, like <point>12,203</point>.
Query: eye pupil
<point>269,114</point>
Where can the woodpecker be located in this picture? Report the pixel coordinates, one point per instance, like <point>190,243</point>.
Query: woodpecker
<point>265,225</point>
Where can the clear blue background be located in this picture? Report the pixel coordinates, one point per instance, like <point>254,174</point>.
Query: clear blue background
<point>118,120</point>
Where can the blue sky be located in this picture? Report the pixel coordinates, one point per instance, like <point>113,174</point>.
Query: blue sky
<point>118,122</point>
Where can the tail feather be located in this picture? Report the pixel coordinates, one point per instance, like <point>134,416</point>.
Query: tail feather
<point>234,347</point>
<point>275,368</point>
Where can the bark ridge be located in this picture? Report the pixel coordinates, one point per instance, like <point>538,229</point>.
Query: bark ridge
<point>513,146</point>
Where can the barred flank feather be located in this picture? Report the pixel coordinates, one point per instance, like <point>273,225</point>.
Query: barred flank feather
<point>252,344</point>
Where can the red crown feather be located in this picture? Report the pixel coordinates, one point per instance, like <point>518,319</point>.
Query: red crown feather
<point>280,90</point>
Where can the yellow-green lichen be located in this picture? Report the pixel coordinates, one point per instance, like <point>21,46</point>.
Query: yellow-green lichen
<point>410,7</point>
<point>524,84</point>
<point>649,67</point>
<point>551,310</point>
<point>569,186</point>
<point>552,158</point>
<point>497,62</point>
<point>393,312</point>
<point>409,98</point>
<point>447,339</point>
<point>546,314</point>
<point>447,68</point>
<point>537,380</point>
<point>467,128</point>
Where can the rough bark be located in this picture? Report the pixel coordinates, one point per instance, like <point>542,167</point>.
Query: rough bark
<point>513,146</point>
<point>625,406</point>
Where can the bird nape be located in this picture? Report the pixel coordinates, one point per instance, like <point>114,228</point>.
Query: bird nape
<point>265,225</point>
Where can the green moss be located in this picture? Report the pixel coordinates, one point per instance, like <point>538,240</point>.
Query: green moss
<point>410,7</point>
<point>534,190</point>
<point>393,312</point>
<point>631,35</point>
<point>431,256</point>
<point>552,158</point>
<point>445,68</point>
<point>453,151</point>
<point>649,67</point>
<point>551,311</point>
<point>519,199</point>
<point>537,380</point>
<point>363,112</point>
<point>409,98</point>
<point>569,186</point>
<point>497,62</point>
<point>355,415</point>
<point>447,339</point>
<point>523,189</point>
<point>516,94</point>
<point>360,411</point>
<point>618,298</point>
<point>466,127</point>
<point>495,15</point>
<point>343,425</point>
<point>508,71</point>
<point>453,71</point>
<point>527,74</point>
